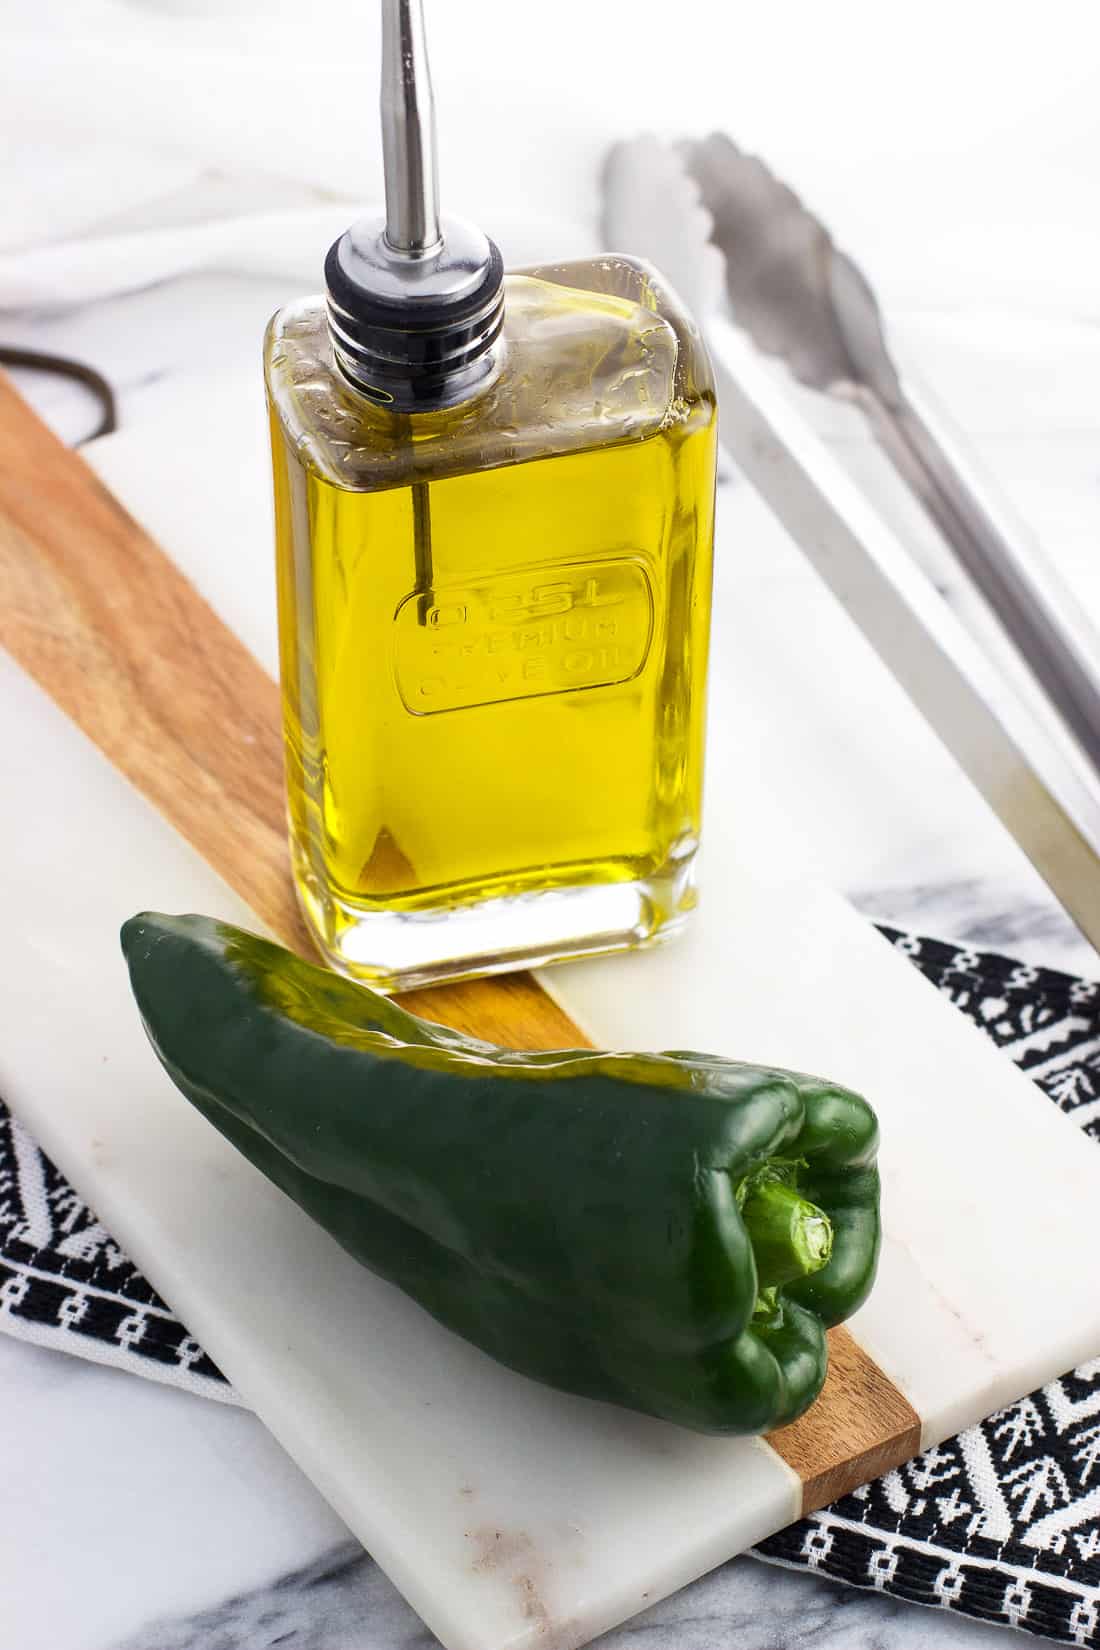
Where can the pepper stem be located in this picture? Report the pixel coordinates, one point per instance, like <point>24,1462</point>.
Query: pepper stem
<point>791,1237</point>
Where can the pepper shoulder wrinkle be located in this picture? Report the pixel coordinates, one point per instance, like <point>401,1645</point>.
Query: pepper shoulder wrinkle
<point>670,1232</point>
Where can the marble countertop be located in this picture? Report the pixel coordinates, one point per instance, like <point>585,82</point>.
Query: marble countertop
<point>139,1518</point>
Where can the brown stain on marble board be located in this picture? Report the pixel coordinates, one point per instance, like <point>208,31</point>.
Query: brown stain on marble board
<point>103,620</point>
<point>514,1555</point>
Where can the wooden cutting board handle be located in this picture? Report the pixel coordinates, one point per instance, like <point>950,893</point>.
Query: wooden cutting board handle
<point>96,612</point>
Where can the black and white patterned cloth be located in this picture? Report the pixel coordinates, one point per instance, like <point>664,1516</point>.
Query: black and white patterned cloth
<point>1001,1523</point>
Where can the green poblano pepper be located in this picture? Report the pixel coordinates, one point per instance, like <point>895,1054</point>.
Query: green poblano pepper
<point>670,1232</point>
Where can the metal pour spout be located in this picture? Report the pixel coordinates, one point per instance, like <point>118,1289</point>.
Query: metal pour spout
<point>408,133</point>
<point>415,303</point>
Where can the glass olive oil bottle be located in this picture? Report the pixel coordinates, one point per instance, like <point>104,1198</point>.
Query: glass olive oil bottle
<point>494,518</point>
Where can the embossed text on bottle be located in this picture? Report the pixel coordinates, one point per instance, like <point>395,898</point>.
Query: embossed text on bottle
<point>552,629</point>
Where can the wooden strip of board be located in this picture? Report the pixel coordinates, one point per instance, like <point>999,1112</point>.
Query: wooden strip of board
<point>104,621</point>
<point>861,1426</point>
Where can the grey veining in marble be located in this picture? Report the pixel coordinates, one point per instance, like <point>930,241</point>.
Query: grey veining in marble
<point>343,1601</point>
<point>976,912</point>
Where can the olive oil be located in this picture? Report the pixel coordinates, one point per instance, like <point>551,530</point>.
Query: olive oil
<point>493,515</point>
<point>494,628</point>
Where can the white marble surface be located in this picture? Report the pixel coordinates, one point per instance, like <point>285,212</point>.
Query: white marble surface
<point>148,1520</point>
<point>133,1516</point>
<point>508,1515</point>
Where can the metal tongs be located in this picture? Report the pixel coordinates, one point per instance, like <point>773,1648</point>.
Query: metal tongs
<point>1020,710</point>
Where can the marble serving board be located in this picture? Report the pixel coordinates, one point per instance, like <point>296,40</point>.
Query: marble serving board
<point>509,1516</point>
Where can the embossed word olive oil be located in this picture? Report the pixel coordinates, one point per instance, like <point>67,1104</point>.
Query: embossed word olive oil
<point>494,525</point>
